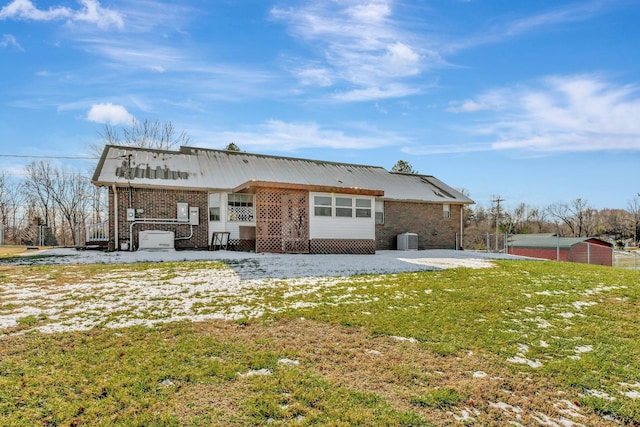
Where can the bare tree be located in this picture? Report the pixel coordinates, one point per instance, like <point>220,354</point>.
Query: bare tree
<point>537,217</point>
<point>71,193</point>
<point>56,193</point>
<point>38,191</point>
<point>146,134</point>
<point>10,199</point>
<point>634,210</point>
<point>577,215</point>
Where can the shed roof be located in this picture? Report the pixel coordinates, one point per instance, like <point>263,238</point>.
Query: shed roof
<point>198,168</point>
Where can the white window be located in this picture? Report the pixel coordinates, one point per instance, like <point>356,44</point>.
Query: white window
<point>379,212</point>
<point>446,211</point>
<point>214,207</point>
<point>322,205</point>
<point>344,207</point>
<point>240,207</point>
<point>363,208</point>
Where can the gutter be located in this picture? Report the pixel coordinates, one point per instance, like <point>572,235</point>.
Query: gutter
<point>115,215</point>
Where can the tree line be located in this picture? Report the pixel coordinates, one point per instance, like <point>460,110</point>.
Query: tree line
<point>576,218</point>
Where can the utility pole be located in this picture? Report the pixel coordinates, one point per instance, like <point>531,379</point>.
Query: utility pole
<point>497,201</point>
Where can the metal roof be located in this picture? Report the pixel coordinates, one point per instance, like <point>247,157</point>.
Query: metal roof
<point>197,168</point>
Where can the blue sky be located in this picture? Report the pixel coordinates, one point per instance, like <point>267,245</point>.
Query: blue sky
<point>535,101</point>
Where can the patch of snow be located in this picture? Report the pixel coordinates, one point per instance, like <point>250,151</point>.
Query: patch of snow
<point>634,385</point>
<point>632,394</point>
<point>566,407</point>
<point>264,265</point>
<point>466,415</point>
<point>255,372</point>
<point>600,394</point>
<point>524,361</point>
<point>288,362</point>
<point>373,352</point>
<point>445,263</point>
<point>545,420</point>
<point>479,374</point>
<point>411,340</point>
<point>584,349</point>
<point>542,323</point>
<point>506,407</point>
<point>579,350</point>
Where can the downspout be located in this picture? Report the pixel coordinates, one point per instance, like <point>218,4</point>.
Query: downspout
<point>461,227</point>
<point>115,216</point>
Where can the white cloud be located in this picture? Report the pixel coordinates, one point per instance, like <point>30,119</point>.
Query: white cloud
<point>25,9</point>
<point>8,40</point>
<point>375,93</point>
<point>561,15</point>
<point>93,13</point>
<point>111,114</point>
<point>492,100</point>
<point>315,76</point>
<point>90,12</point>
<point>284,136</point>
<point>562,113</point>
<point>359,45</point>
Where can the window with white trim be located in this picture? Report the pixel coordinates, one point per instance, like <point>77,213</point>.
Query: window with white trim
<point>240,208</point>
<point>322,205</point>
<point>214,207</point>
<point>379,212</point>
<point>344,207</point>
<point>363,208</point>
<point>446,210</point>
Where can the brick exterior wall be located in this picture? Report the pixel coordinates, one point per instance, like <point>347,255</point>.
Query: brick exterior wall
<point>159,204</point>
<point>426,219</point>
<point>434,231</point>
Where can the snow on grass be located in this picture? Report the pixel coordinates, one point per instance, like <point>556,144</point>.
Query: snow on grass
<point>521,359</point>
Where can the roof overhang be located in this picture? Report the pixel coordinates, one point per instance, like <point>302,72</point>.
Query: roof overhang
<point>253,185</point>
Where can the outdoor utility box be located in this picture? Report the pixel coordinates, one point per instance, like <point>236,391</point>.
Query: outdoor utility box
<point>194,215</point>
<point>131,214</point>
<point>183,212</point>
<point>156,240</point>
<point>407,242</point>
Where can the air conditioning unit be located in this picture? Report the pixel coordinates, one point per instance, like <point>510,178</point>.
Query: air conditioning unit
<point>407,242</point>
<point>156,240</point>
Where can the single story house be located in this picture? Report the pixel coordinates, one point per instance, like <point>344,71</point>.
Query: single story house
<point>587,250</point>
<point>207,198</point>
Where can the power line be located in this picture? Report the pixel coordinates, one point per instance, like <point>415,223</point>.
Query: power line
<point>25,156</point>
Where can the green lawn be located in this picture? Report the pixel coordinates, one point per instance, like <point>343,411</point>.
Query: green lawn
<point>523,343</point>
